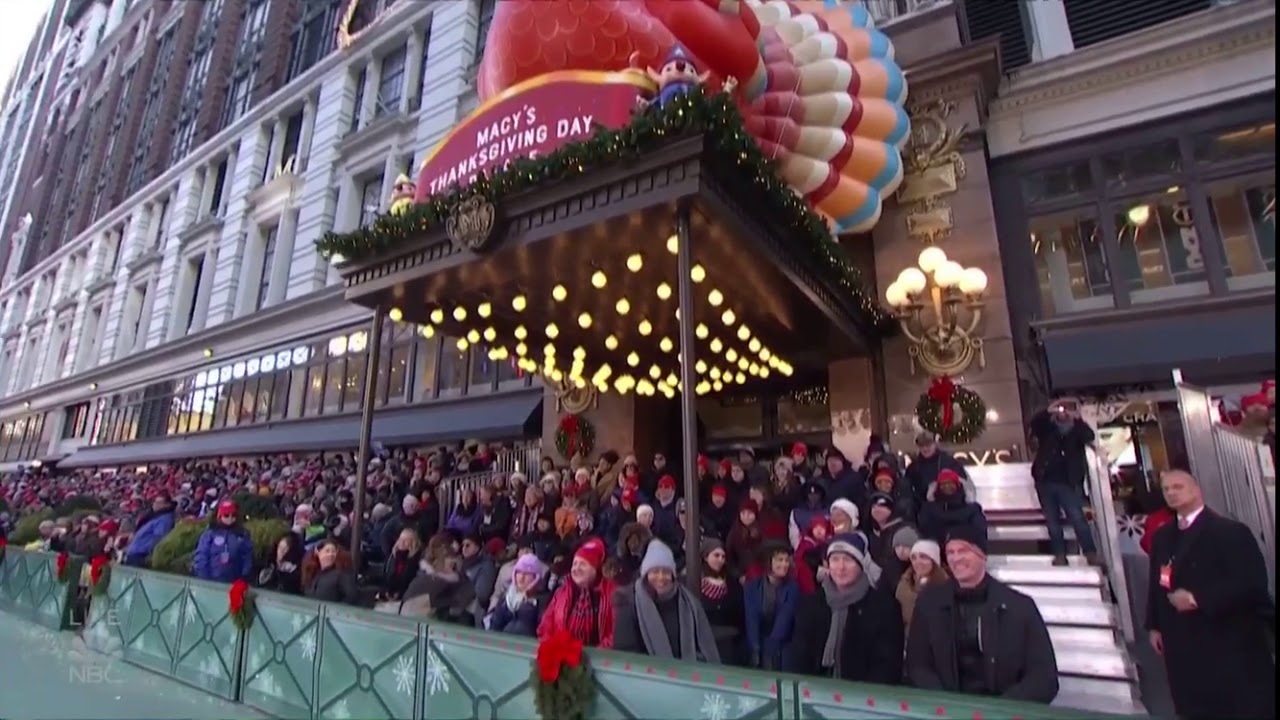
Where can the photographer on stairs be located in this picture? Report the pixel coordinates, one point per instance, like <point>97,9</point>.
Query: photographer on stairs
<point>1060,470</point>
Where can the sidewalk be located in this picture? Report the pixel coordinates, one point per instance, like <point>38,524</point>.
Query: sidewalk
<point>46,674</point>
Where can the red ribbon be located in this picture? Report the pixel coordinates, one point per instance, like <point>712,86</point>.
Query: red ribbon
<point>570,425</point>
<point>4,542</point>
<point>943,391</point>
<point>96,566</point>
<point>235,596</point>
<point>557,651</point>
<point>61,563</point>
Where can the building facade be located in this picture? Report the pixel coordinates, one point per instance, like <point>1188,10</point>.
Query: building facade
<point>166,301</point>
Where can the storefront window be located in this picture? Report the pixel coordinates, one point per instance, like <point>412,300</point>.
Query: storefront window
<point>314,399</point>
<point>353,384</point>
<point>1141,165</point>
<point>453,368</point>
<point>1254,140</point>
<point>1160,251</point>
<point>335,377</point>
<point>798,416</point>
<point>1058,183</point>
<point>396,372</point>
<point>428,367</point>
<point>731,418</point>
<point>1071,264</point>
<point>1243,211</point>
<point>510,375</point>
<point>483,371</point>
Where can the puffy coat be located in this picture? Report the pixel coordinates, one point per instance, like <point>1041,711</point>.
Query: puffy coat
<point>224,554</point>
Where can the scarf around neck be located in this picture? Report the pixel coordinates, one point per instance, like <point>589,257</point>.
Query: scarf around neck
<point>840,600</point>
<point>697,642</point>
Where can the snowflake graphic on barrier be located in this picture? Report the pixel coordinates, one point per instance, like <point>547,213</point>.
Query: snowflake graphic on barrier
<point>748,704</point>
<point>339,710</point>
<point>714,707</point>
<point>256,659</point>
<point>210,666</point>
<point>437,674</point>
<point>308,643</point>
<point>404,672</point>
<point>296,623</point>
<point>191,613</point>
<point>229,650</point>
<point>266,684</point>
<point>170,623</point>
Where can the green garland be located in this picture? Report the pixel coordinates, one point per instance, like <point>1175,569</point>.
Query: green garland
<point>967,425</point>
<point>568,698</point>
<point>715,116</point>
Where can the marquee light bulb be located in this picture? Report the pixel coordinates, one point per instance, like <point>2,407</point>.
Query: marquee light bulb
<point>519,303</point>
<point>396,315</point>
<point>633,359</point>
<point>672,379</point>
<point>664,291</point>
<point>655,372</point>
<point>485,310</point>
<point>635,262</point>
<point>743,364</point>
<point>611,343</point>
<point>428,331</point>
<point>549,351</point>
<point>701,331</point>
<point>772,361</point>
<point>697,273</point>
<point>716,345</point>
<point>665,345</point>
<point>559,293</point>
<point>645,327</point>
<point>437,316</point>
<point>765,354</point>
<point>459,313</point>
<point>473,336</point>
<point>522,350</point>
<point>754,345</point>
<point>764,371</point>
<point>599,279</point>
<point>521,333</point>
<point>715,373</point>
<point>463,344</point>
<point>715,298</point>
<point>728,318</point>
<point>623,306</point>
<point>743,332</point>
<point>552,331</point>
<point>700,367</point>
<point>584,321</point>
<point>732,355</point>
<point>579,353</point>
<point>739,378</point>
<point>490,334</point>
<point>673,244</point>
<point>579,383</point>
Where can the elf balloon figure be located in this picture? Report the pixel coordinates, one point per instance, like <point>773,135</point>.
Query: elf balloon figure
<point>402,195</point>
<point>677,76</point>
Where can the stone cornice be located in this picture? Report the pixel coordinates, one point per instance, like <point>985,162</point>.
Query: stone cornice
<point>1215,33</point>
<point>972,69</point>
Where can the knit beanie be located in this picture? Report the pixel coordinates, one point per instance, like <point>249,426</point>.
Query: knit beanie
<point>848,508</point>
<point>709,545</point>
<point>591,552</point>
<point>929,549</point>
<point>529,564</point>
<point>969,535</point>
<point>656,556</point>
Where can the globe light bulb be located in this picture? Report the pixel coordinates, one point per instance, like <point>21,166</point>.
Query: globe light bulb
<point>437,316</point>
<point>396,315</point>
<point>701,331</point>
<point>931,258</point>
<point>463,344</point>
<point>664,291</point>
<point>717,386</point>
<point>599,279</point>
<point>485,310</point>
<point>715,298</point>
<point>728,318</point>
<point>519,303</point>
<point>428,331</point>
<point>754,345</point>
<point>743,332</point>
<point>633,359</point>
<point>623,306</point>
<point>459,313</point>
<point>645,327</point>
<point>552,330</point>
<point>716,345</point>
<point>655,372</point>
<point>700,367</point>
<point>584,321</point>
<point>549,351</point>
<point>635,262</point>
<point>732,355</point>
<point>673,244</point>
<point>913,281</point>
<point>522,350</point>
<point>611,343</point>
<point>473,336</point>
<point>490,334</point>
<point>740,378</point>
<point>559,293</point>
<point>665,345</point>
<point>697,273</point>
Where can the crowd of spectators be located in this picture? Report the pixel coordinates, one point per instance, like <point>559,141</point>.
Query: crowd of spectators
<point>809,562</point>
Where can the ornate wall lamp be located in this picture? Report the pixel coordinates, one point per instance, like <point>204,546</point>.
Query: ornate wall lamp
<point>945,342</point>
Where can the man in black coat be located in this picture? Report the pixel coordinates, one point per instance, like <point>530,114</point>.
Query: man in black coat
<point>1060,469</point>
<point>928,461</point>
<point>976,635</point>
<point>1207,604</point>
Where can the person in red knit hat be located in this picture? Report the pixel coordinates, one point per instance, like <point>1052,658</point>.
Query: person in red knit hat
<point>584,605</point>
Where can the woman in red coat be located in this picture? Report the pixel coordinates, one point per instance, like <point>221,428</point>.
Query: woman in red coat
<point>1154,522</point>
<point>584,605</point>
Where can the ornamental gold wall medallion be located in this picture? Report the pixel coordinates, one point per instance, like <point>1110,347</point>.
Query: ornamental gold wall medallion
<point>933,169</point>
<point>472,224</point>
<point>572,399</point>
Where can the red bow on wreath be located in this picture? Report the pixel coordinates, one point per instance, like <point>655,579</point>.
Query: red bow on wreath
<point>96,566</point>
<point>557,651</point>
<point>235,596</point>
<point>943,391</point>
<point>570,425</point>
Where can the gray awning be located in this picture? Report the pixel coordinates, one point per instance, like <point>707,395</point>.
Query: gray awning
<point>1226,346</point>
<point>503,416</point>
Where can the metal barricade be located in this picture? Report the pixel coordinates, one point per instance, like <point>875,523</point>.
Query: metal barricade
<point>1107,527</point>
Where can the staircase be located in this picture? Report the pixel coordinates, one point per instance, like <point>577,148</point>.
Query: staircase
<point>1077,602</point>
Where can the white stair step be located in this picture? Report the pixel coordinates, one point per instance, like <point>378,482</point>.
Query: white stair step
<point>1001,499</point>
<point>1066,576</point>
<point>1093,662</point>
<point>1032,560</point>
<point>1088,614</point>
<point>1025,532</point>
<point>1083,637</point>
<point>1070,593</point>
<point>1120,704</point>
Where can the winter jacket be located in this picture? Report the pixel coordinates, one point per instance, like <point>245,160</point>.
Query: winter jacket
<point>941,513</point>
<point>807,560</point>
<point>801,518</point>
<point>150,531</point>
<point>1060,456</point>
<point>464,521</point>
<point>871,650</point>
<point>223,554</point>
<point>400,570</point>
<point>495,520</point>
<point>922,473</point>
<point>521,621</point>
<point>441,594</point>
<point>334,585</point>
<point>483,575</point>
<point>908,591</point>
<point>556,616</point>
<point>769,643</point>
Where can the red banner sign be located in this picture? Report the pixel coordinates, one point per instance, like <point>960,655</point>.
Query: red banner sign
<point>531,119</point>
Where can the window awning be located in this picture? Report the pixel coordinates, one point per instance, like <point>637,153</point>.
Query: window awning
<point>1211,348</point>
<point>495,417</point>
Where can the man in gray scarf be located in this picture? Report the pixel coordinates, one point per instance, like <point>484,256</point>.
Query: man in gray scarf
<point>850,629</point>
<point>660,617</point>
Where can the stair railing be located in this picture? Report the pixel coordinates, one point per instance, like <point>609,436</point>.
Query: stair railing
<point>1107,529</point>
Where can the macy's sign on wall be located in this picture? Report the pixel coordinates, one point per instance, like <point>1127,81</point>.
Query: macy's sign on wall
<point>530,119</point>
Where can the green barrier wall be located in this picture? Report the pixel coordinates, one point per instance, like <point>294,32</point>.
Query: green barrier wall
<point>313,661</point>
<point>29,588</point>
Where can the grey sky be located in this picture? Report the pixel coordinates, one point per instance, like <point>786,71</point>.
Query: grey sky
<point>18,22</point>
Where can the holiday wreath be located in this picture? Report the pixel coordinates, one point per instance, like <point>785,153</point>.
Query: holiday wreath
<point>575,436</point>
<point>62,567</point>
<point>953,412</point>
<point>563,688</point>
<point>714,116</point>
<point>240,605</point>
<point>99,574</point>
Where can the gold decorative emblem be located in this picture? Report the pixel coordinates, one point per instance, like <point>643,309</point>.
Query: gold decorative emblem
<point>570,398</point>
<point>933,169</point>
<point>472,223</point>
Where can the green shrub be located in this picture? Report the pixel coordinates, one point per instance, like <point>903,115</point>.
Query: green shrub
<point>27,529</point>
<point>77,502</point>
<point>255,507</point>
<point>174,551</point>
